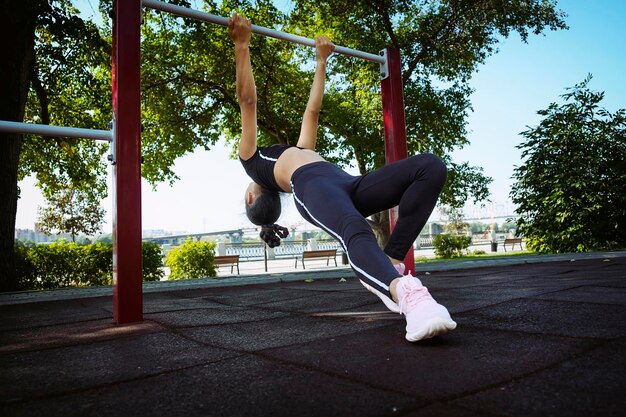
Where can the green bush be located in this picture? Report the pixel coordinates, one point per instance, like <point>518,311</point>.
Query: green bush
<point>192,260</point>
<point>151,261</point>
<point>449,246</point>
<point>61,264</point>
<point>94,264</point>
<point>24,267</point>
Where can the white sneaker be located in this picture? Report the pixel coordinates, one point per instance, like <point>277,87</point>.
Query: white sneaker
<point>425,318</point>
<point>389,303</point>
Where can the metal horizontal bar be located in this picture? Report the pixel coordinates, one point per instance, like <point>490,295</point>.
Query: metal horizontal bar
<point>260,30</point>
<point>58,131</point>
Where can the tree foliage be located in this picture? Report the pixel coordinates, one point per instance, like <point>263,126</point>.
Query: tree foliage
<point>455,221</point>
<point>188,94</point>
<point>70,86</point>
<point>72,211</point>
<point>571,188</point>
<point>455,241</point>
<point>442,44</point>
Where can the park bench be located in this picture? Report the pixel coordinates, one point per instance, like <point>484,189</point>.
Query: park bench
<point>312,254</point>
<point>232,260</point>
<point>512,241</point>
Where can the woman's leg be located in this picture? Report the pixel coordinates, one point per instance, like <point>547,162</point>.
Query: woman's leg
<point>324,196</point>
<point>324,200</point>
<point>414,185</point>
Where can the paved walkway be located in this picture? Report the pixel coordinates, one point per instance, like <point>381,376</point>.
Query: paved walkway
<point>542,336</point>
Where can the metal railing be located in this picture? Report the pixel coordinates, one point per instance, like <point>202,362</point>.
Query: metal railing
<point>287,249</point>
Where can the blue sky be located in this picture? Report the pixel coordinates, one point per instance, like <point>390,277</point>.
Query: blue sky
<point>509,89</point>
<point>524,78</point>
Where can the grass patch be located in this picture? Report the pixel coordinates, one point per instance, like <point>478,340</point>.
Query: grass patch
<point>489,255</point>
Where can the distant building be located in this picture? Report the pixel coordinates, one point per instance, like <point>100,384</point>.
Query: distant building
<point>150,233</point>
<point>38,236</point>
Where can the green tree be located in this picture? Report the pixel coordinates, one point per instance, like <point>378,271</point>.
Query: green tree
<point>151,261</point>
<point>106,238</point>
<point>17,26</point>
<point>72,211</point>
<point>70,85</point>
<point>442,44</point>
<point>455,241</point>
<point>455,221</point>
<point>478,227</point>
<point>56,69</point>
<point>188,89</point>
<point>571,189</point>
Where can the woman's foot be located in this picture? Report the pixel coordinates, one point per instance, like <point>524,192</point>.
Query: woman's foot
<point>425,318</point>
<point>389,303</point>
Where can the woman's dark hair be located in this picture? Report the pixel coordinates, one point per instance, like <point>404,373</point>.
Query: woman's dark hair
<point>265,209</point>
<point>264,212</point>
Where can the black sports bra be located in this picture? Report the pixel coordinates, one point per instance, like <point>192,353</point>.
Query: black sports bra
<point>260,166</point>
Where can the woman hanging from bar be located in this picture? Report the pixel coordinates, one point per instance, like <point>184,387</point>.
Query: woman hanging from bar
<point>338,202</point>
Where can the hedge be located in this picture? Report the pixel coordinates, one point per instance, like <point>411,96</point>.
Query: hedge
<point>449,246</point>
<point>192,260</point>
<point>61,264</point>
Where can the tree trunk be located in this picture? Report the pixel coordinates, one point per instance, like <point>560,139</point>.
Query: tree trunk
<point>379,222</point>
<point>17,29</point>
<point>380,226</point>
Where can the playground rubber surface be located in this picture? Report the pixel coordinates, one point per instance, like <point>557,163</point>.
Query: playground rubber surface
<point>545,337</point>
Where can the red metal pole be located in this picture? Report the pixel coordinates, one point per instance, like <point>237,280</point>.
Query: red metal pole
<point>395,129</point>
<point>127,273</point>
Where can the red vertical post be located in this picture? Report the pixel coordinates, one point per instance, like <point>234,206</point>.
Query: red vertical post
<point>127,273</point>
<point>395,129</point>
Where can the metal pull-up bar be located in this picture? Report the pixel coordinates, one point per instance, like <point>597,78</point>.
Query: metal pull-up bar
<point>56,131</point>
<point>260,30</point>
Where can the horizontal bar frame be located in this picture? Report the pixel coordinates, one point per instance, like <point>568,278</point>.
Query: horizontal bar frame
<point>260,30</point>
<point>57,131</point>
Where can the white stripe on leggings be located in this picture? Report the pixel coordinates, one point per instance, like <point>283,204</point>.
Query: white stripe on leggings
<point>371,278</point>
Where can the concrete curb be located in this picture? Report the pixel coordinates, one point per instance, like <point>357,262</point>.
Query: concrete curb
<point>515,260</point>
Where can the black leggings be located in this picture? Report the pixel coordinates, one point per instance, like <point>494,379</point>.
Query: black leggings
<point>338,202</point>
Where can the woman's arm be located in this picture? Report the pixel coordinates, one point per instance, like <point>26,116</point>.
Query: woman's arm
<point>308,130</point>
<point>240,30</point>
